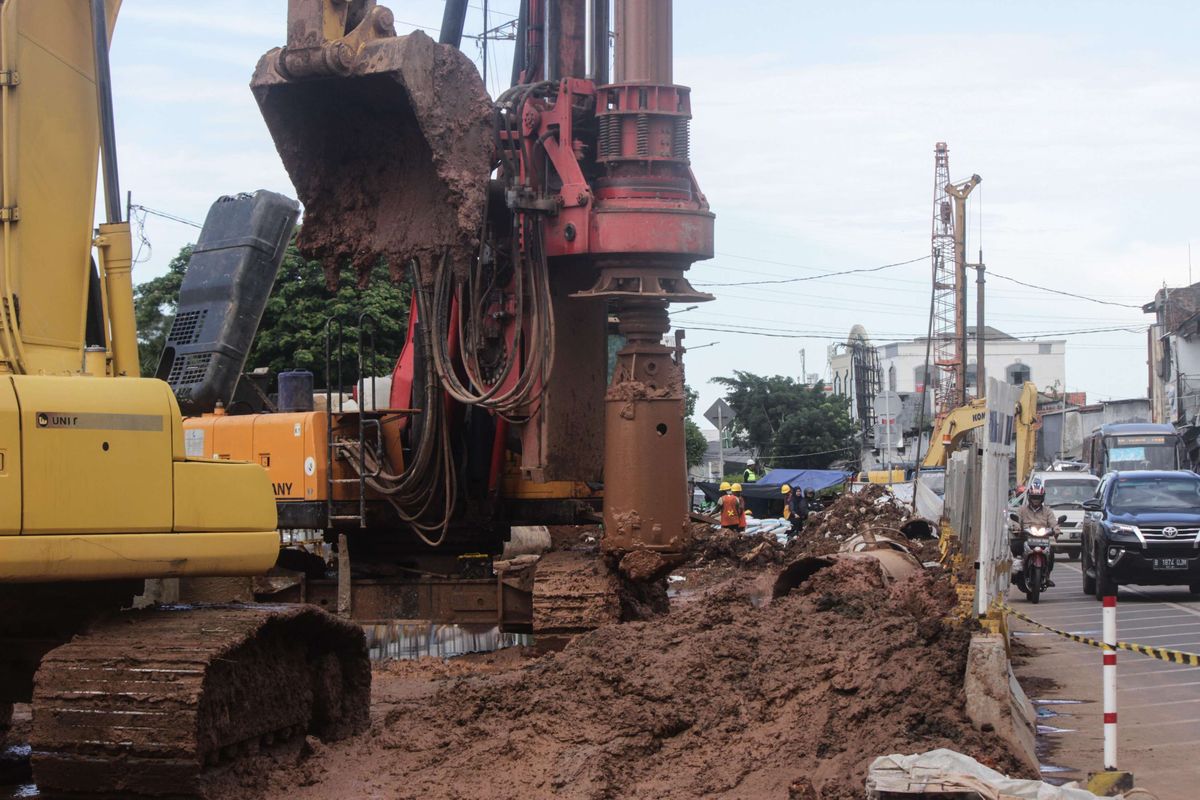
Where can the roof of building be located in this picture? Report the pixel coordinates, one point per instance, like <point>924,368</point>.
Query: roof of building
<point>1179,306</point>
<point>1133,428</point>
<point>990,335</point>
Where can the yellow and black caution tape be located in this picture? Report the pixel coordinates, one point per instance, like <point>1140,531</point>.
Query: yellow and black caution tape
<point>1160,653</point>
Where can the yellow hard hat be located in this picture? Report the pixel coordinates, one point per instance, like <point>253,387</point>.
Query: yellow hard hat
<point>737,487</point>
<point>785,489</point>
<point>724,486</point>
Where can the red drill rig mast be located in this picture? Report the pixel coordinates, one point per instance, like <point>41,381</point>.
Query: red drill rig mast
<point>623,204</point>
<point>526,223</point>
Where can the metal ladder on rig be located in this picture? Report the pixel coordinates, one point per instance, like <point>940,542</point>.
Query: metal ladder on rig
<point>340,448</point>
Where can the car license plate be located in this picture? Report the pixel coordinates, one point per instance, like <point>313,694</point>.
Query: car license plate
<point>1170,563</point>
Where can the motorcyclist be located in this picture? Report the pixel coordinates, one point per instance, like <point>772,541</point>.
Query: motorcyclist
<point>1034,513</point>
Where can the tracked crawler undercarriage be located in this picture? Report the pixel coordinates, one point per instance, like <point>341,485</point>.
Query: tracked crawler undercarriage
<point>178,701</point>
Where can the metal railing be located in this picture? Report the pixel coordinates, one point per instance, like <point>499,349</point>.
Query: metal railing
<point>340,447</point>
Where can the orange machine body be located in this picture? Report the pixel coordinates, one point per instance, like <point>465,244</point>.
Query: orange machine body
<point>292,447</point>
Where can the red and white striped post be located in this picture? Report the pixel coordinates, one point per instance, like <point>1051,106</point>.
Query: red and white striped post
<point>1110,682</point>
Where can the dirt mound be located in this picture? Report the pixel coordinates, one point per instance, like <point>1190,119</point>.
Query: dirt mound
<point>720,545</point>
<point>873,510</point>
<point>725,697</point>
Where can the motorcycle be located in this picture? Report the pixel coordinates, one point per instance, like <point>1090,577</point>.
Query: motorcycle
<point>1031,572</point>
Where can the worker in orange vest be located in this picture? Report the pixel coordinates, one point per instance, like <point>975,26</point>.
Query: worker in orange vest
<point>731,508</point>
<point>737,492</point>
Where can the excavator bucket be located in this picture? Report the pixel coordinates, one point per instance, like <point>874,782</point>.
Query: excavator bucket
<point>388,139</point>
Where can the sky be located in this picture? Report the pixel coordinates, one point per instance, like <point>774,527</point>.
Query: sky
<point>813,135</point>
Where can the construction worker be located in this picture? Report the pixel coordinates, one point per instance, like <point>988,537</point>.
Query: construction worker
<point>731,508</point>
<point>1034,513</point>
<point>749,475</point>
<point>797,505</point>
<point>737,492</point>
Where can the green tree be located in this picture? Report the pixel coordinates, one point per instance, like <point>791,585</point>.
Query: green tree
<point>697,445</point>
<point>787,423</point>
<point>154,309</point>
<point>291,334</point>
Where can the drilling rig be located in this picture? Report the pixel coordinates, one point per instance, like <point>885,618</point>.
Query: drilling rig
<point>535,228</point>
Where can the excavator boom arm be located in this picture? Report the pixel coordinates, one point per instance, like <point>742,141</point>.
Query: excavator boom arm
<point>948,435</point>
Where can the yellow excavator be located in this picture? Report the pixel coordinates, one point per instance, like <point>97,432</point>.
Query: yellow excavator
<point>97,492</point>
<point>951,430</point>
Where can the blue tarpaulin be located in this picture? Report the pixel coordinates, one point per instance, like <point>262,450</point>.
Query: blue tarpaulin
<point>767,488</point>
<point>815,479</point>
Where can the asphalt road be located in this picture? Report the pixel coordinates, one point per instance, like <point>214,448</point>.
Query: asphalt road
<point>1158,704</point>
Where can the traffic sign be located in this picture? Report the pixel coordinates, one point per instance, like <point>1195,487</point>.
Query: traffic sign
<point>720,414</point>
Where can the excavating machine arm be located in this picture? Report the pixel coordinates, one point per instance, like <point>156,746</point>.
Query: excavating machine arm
<point>958,423</point>
<point>954,426</point>
<point>1027,426</point>
<point>53,123</point>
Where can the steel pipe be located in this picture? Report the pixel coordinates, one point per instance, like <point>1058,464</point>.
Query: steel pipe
<point>454,17</point>
<point>643,42</point>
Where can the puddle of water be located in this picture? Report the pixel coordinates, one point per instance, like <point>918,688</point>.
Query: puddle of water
<point>410,640</point>
<point>1054,701</point>
<point>1053,769</point>
<point>1051,729</point>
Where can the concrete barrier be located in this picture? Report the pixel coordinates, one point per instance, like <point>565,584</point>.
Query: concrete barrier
<point>996,702</point>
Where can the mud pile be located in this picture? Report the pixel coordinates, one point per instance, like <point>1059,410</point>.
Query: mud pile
<point>873,510</point>
<point>728,696</point>
<point>719,545</point>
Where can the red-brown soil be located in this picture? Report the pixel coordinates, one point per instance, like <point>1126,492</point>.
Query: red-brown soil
<point>726,696</point>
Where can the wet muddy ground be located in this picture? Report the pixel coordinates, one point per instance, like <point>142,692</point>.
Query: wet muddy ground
<point>729,694</point>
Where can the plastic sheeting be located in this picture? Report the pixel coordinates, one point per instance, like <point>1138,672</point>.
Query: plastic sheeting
<point>929,505</point>
<point>948,772</point>
<point>768,486</point>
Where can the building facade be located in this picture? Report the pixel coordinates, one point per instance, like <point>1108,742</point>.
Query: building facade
<point>1174,356</point>
<point>1013,360</point>
<point>898,369</point>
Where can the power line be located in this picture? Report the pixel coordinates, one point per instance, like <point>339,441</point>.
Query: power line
<point>165,215</point>
<point>993,274</point>
<point>783,334</point>
<point>854,271</point>
<point>779,456</point>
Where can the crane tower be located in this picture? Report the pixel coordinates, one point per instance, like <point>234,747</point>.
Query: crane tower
<point>946,358</point>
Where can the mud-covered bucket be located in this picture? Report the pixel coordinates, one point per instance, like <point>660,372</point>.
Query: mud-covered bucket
<point>388,139</point>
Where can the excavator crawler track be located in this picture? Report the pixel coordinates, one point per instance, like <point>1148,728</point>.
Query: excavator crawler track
<point>174,701</point>
<point>576,591</point>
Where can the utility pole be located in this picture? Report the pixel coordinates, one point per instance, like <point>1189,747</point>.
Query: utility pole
<point>959,194</point>
<point>980,328</point>
<point>720,445</point>
<point>803,369</point>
